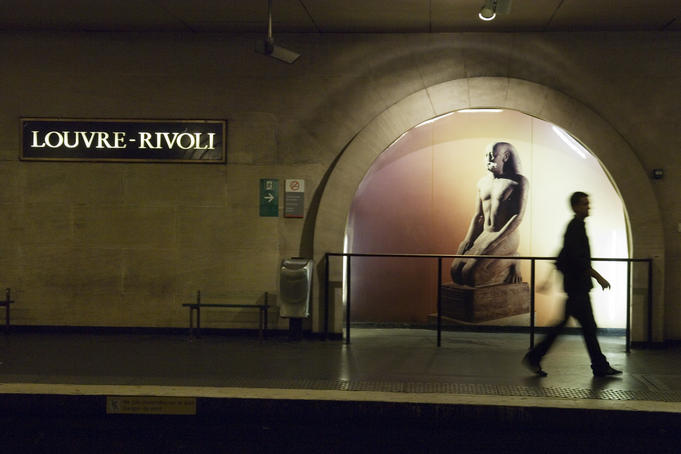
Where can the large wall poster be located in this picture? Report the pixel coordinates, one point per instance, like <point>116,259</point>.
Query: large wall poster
<point>420,195</point>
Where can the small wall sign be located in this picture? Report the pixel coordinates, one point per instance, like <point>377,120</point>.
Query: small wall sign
<point>150,405</point>
<point>294,199</point>
<point>123,140</point>
<point>269,197</point>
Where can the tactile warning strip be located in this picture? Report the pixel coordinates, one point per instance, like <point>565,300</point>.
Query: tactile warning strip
<point>457,388</point>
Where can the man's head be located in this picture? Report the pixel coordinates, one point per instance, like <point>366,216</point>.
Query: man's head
<point>579,201</point>
<point>502,158</point>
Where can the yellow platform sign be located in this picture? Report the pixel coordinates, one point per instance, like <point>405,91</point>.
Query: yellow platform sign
<point>149,405</point>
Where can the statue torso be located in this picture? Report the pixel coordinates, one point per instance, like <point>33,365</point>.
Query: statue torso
<point>499,201</point>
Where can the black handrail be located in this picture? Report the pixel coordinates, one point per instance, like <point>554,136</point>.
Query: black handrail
<point>439,257</point>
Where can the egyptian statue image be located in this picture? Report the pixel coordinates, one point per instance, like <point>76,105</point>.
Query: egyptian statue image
<point>500,206</point>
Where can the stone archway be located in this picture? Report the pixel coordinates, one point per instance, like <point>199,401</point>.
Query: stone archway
<point>617,157</point>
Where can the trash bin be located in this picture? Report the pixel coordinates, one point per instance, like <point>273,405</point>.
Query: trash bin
<point>295,286</point>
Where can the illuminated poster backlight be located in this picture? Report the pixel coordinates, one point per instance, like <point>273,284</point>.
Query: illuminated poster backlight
<point>419,197</point>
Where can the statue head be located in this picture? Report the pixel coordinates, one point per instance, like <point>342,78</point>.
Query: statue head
<point>502,158</point>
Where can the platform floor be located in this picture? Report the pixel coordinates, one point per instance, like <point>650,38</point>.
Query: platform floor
<point>384,367</point>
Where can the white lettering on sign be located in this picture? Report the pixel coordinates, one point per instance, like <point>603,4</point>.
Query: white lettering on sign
<point>117,140</point>
<point>73,139</point>
<point>144,140</point>
<point>184,140</point>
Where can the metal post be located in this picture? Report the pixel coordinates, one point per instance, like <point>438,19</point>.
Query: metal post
<point>267,307</point>
<point>7,302</point>
<point>532,303</point>
<point>439,304</point>
<point>261,322</point>
<point>326,296</point>
<point>650,302</point>
<point>198,313</point>
<point>628,327</point>
<point>347,301</point>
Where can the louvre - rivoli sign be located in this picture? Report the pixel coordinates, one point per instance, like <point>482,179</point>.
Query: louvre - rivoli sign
<point>200,141</point>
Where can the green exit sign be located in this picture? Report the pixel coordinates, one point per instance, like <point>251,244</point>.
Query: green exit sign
<point>269,197</point>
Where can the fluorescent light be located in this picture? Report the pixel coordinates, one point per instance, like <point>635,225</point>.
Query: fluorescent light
<point>570,141</point>
<point>433,119</point>
<point>480,110</point>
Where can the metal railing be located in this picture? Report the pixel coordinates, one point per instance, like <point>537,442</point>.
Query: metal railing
<point>533,260</point>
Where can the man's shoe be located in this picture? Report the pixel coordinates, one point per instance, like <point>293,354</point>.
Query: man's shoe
<point>606,371</point>
<point>533,365</point>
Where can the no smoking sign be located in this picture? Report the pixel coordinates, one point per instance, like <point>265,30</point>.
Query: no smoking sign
<point>295,185</point>
<point>294,198</point>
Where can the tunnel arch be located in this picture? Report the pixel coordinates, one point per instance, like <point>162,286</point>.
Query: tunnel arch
<point>617,157</point>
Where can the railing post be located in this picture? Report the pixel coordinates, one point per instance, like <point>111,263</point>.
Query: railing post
<point>198,313</point>
<point>650,302</point>
<point>532,303</point>
<point>8,299</point>
<point>326,296</point>
<point>439,304</point>
<point>347,299</point>
<point>628,327</point>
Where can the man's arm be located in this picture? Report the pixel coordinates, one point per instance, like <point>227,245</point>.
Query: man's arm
<point>600,279</point>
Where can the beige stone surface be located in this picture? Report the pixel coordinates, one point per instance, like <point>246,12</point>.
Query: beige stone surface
<point>440,60</point>
<point>12,178</point>
<point>11,263</point>
<point>252,138</point>
<point>71,270</point>
<point>560,108</point>
<point>46,224</point>
<point>351,97</point>
<point>78,183</point>
<point>252,273</point>
<point>527,96</point>
<point>196,270</point>
<point>487,55</point>
<point>205,228</point>
<point>124,226</point>
<point>488,92</point>
<point>172,185</point>
<point>12,225</point>
<point>450,96</point>
<point>150,276</point>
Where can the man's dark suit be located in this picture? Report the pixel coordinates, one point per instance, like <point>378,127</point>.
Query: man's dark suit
<point>575,264</point>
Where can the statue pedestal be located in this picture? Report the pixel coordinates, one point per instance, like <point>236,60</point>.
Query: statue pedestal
<point>480,304</point>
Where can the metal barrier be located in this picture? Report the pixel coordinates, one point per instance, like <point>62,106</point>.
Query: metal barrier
<point>439,258</point>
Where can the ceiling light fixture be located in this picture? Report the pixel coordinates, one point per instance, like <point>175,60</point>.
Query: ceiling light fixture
<point>491,8</point>
<point>488,10</point>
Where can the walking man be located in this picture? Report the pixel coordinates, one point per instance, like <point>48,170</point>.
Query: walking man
<point>574,261</point>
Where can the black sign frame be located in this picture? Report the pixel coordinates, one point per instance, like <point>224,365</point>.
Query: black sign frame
<point>123,140</point>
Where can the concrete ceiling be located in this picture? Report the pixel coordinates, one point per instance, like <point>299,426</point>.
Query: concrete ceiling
<point>336,16</point>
